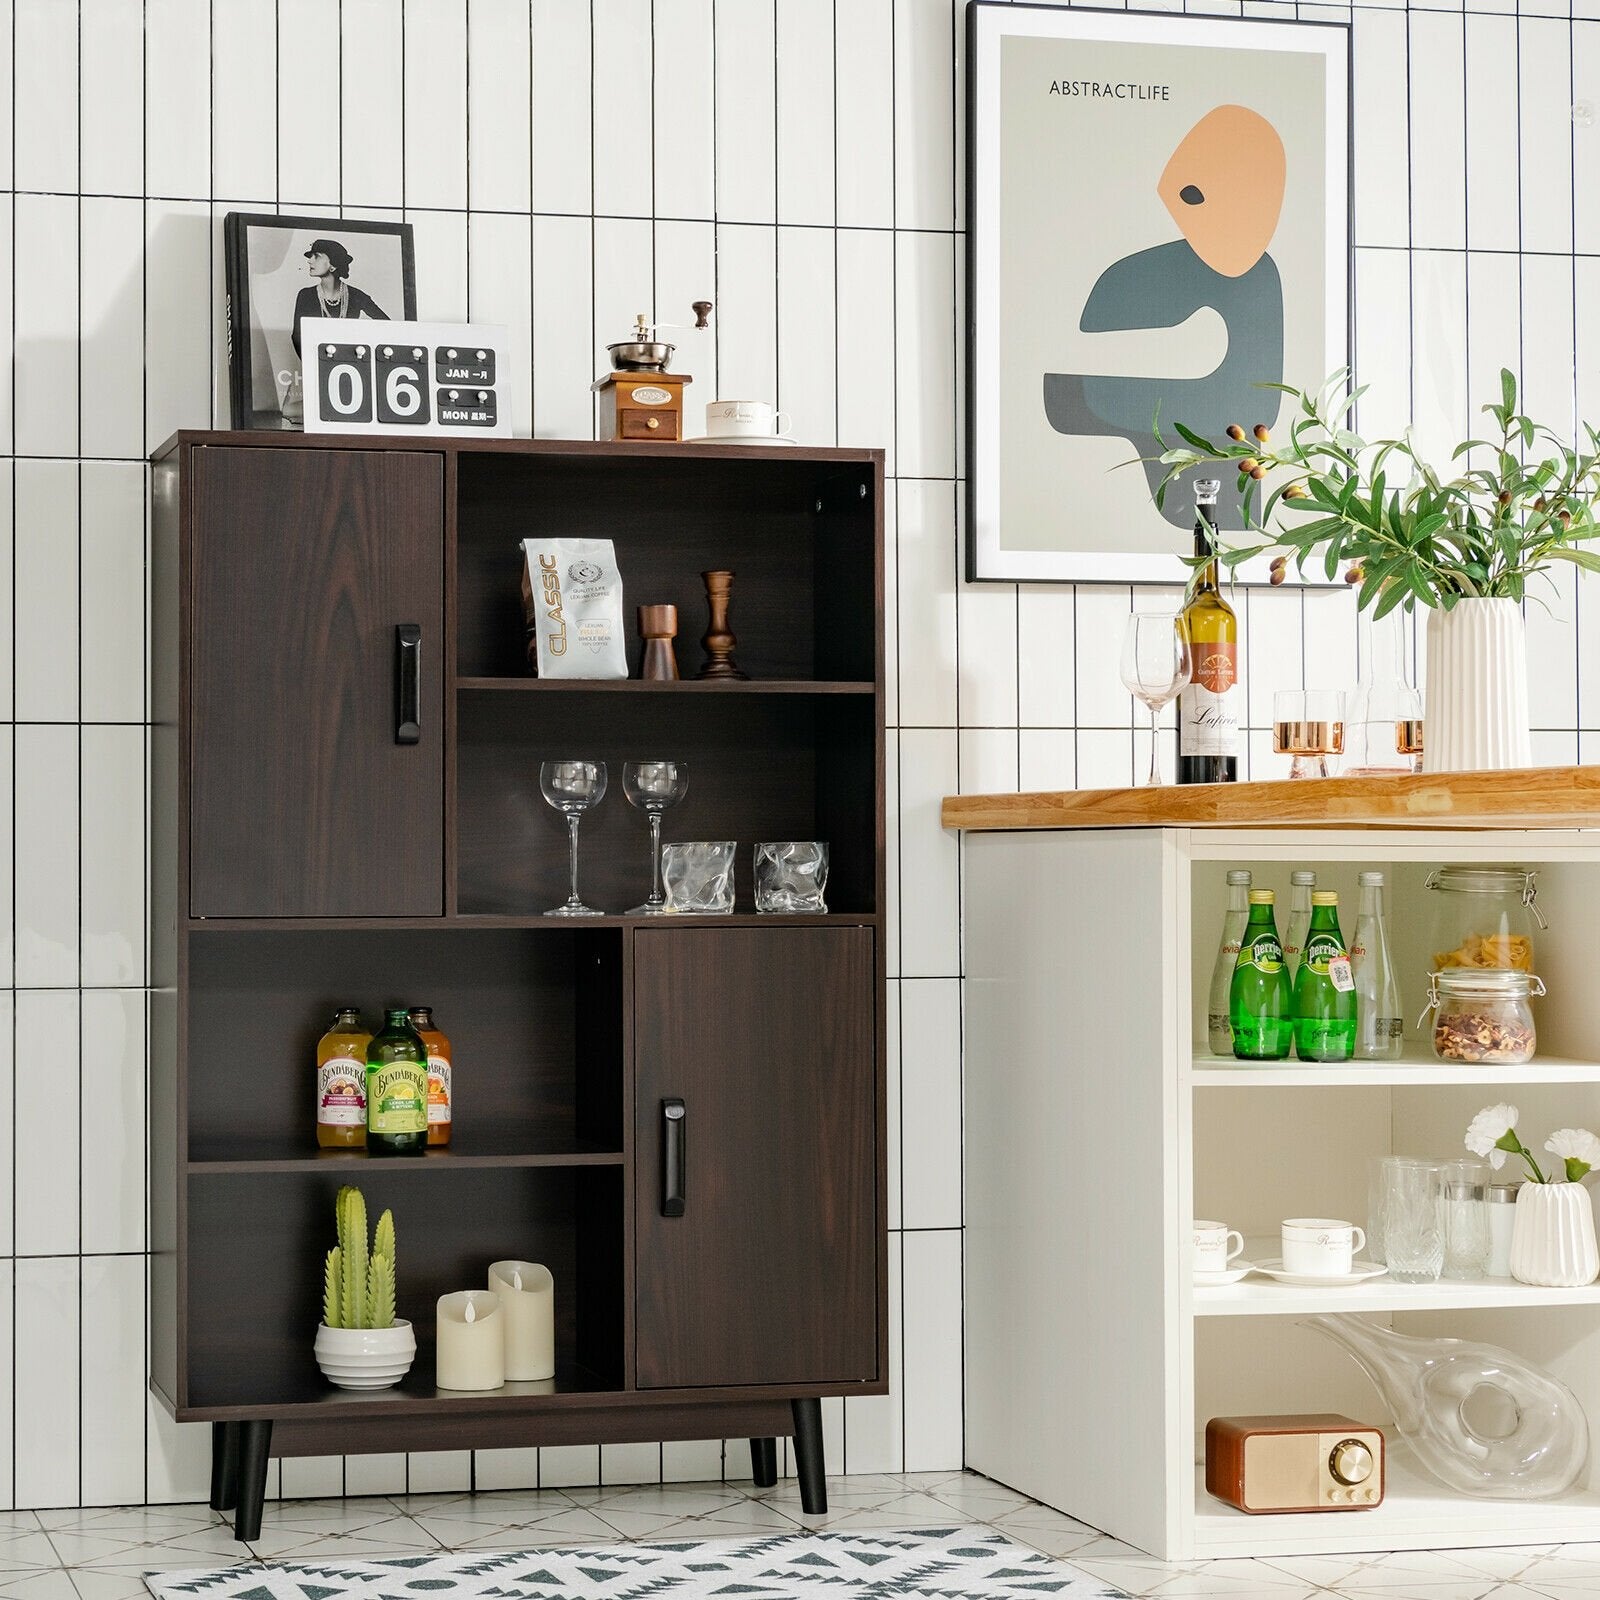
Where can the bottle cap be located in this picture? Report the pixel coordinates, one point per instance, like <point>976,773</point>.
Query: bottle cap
<point>1302,879</point>
<point>1239,876</point>
<point>1262,897</point>
<point>1371,880</point>
<point>421,1011</point>
<point>1324,897</point>
<point>1206,491</point>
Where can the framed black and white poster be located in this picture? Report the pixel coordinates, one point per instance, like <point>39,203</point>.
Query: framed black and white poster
<point>283,270</point>
<point>1158,223</point>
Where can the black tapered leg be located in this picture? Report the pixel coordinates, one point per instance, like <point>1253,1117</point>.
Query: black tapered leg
<point>764,1462</point>
<point>224,1466</point>
<point>254,1438</point>
<point>808,1456</point>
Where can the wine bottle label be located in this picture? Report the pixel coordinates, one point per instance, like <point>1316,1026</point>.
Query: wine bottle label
<point>341,1094</point>
<point>1208,709</point>
<point>1263,952</point>
<point>438,1090</point>
<point>397,1098</point>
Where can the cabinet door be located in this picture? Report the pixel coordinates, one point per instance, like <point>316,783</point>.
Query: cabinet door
<point>303,565</point>
<point>767,1037</point>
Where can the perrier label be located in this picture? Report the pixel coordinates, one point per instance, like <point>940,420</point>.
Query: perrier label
<point>397,1089</point>
<point>1260,1004</point>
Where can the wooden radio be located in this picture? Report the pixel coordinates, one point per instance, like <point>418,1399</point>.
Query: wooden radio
<point>1322,1462</point>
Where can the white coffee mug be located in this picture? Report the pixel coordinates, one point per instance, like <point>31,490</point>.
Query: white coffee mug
<point>745,419</point>
<point>1321,1246</point>
<point>1213,1247</point>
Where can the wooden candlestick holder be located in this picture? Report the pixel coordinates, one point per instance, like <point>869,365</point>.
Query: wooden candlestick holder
<point>718,639</point>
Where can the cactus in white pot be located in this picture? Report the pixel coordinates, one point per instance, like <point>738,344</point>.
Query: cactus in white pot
<point>361,1344</point>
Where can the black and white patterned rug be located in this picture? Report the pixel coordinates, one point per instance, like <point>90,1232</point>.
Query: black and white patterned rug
<point>941,1563</point>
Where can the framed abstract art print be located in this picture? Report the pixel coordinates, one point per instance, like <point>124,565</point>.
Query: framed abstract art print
<point>1158,225</point>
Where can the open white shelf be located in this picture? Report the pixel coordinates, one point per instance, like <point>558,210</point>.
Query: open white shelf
<point>1207,1071</point>
<point>1418,1513</point>
<point>1089,1151</point>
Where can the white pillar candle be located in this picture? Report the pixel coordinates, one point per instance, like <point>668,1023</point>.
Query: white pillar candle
<point>471,1332</point>
<point>528,1303</point>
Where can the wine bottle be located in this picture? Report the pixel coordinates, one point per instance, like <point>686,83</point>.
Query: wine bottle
<point>1208,709</point>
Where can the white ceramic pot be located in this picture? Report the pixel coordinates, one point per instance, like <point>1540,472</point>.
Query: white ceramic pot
<point>1552,1238</point>
<point>1477,698</point>
<point>366,1358</point>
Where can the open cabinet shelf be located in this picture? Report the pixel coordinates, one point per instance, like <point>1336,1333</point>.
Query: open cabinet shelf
<point>1096,1023</point>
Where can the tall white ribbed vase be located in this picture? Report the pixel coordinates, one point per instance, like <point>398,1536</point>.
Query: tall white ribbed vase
<point>1476,719</point>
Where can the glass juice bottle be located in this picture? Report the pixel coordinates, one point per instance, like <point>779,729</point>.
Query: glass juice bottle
<point>1208,708</point>
<point>1379,1018</point>
<point>1219,1030</point>
<point>397,1088</point>
<point>1324,988</point>
<point>342,1082</point>
<point>1301,883</point>
<point>441,1084</point>
<point>1260,1005</point>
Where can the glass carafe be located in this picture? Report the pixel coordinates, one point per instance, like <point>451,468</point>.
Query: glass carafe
<point>1481,1419</point>
<point>1383,716</point>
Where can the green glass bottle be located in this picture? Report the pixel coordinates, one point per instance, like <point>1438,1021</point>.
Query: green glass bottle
<point>1324,988</point>
<point>397,1088</point>
<point>1260,1004</point>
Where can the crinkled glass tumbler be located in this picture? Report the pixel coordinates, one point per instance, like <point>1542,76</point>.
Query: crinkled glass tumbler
<point>698,877</point>
<point>1413,1241</point>
<point>791,875</point>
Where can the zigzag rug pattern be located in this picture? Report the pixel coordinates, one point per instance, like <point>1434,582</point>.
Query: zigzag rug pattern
<point>938,1563</point>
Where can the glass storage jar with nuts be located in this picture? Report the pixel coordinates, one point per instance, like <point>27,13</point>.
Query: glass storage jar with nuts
<point>1483,1015</point>
<point>1483,918</point>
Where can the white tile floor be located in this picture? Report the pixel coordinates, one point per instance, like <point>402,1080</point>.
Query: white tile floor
<point>101,1555</point>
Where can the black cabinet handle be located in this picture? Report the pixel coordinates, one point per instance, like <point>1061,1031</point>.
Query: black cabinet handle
<point>407,683</point>
<point>672,1158</point>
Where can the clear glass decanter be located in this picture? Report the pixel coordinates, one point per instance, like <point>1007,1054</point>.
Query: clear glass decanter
<point>1383,716</point>
<point>1482,1420</point>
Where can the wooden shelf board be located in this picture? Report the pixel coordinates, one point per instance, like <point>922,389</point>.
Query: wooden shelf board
<point>710,686</point>
<point>1265,1297</point>
<point>485,1148</point>
<point>1534,797</point>
<point>1214,1072</point>
<point>314,1398</point>
<point>1418,1513</point>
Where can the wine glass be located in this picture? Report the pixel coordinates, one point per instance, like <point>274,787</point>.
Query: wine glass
<point>572,787</point>
<point>653,787</point>
<point>1308,724</point>
<point>1156,664</point>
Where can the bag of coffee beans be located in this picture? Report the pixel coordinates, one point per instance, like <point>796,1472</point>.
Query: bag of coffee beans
<point>572,602</point>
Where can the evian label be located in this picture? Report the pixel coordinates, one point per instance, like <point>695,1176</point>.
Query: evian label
<point>1208,711</point>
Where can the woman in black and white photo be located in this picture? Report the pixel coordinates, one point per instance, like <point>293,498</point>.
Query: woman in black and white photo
<point>332,295</point>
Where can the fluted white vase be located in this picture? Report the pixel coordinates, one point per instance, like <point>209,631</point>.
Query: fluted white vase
<point>1477,699</point>
<point>1552,1236</point>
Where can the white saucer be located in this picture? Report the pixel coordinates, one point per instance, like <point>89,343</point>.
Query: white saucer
<point>1215,1280</point>
<point>742,438</point>
<point>1359,1273</point>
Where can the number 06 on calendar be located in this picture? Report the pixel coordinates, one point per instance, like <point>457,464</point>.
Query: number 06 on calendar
<point>405,377</point>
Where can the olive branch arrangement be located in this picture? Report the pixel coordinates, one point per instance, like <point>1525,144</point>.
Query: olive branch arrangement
<point>1406,533</point>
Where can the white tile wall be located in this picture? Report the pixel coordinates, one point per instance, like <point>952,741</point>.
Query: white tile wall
<point>798,161</point>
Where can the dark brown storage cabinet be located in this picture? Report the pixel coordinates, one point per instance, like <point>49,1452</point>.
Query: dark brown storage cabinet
<point>304,856</point>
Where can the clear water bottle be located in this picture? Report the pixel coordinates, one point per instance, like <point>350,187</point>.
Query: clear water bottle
<point>1301,883</point>
<point>1379,1020</point>
<point>1219,1030</point>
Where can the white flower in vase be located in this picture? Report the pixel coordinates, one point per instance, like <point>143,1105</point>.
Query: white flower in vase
<point>1489,1132</point>
<point>1578,1148</point>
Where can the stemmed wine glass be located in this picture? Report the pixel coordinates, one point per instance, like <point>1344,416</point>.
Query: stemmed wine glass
<point>573,787</point>
<point>653,787</point>
<point>1156,664</point>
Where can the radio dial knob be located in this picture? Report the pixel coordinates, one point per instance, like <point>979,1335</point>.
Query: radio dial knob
<point>1350,1461</point>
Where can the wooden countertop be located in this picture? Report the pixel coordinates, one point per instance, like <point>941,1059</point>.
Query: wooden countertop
<point>1532,797</point>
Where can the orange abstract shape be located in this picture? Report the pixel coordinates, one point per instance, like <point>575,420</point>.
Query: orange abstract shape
<point>1224,188</point>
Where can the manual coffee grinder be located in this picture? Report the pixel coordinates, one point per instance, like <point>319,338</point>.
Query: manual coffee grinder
<point>639,398</point>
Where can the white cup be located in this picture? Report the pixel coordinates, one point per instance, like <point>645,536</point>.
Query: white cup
<point>1321,1246</point>
<point>1211,1246</point>
<point>745,419</point>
